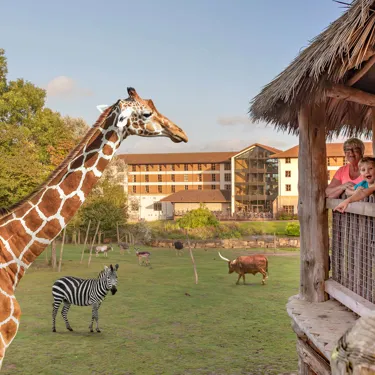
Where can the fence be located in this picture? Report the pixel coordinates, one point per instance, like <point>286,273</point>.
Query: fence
<point>353,250</point>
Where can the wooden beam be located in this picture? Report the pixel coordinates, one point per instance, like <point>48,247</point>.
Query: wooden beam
<point>351,94</point>
<point>360,208</point>
<point>310,362</point>
<point>313,217</point>
<point>348,298</point>
<point>360,73</point>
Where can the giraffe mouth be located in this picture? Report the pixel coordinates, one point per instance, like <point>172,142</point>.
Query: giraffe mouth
<point>178,139</point>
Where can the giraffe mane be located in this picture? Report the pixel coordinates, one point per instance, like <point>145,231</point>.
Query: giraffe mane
<point>5,211</point>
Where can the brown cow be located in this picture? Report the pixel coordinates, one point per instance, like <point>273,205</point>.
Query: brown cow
<point>248,264</point>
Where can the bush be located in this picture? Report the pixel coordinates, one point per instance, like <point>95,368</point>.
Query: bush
<point>198,218</point>
<point>282,215</point>
<point>292,229</point>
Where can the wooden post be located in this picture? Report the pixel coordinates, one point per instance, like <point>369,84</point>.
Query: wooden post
<point>118,235</point>
<point>62,249</point>
<point>312,214</point>
<point>192,259</point>
<point>92,244</point>
<point>84,245</point>
<point>373,130</point>
<point>53,254</point>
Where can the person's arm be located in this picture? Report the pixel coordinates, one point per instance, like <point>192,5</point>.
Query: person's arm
<point>336,188</point>
<point>357,196</point>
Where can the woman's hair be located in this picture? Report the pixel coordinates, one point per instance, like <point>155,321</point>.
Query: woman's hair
<point>355,142</point>
<point>367,160</point>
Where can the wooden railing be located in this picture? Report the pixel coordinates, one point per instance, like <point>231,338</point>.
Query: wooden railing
<point>353,255</point>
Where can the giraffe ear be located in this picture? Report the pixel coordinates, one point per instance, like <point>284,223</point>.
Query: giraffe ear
<point>101,108</point>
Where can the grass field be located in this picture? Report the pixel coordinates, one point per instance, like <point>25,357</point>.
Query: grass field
<point>160,322</point>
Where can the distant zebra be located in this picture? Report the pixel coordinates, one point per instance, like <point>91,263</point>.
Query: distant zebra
<point>83,292</point>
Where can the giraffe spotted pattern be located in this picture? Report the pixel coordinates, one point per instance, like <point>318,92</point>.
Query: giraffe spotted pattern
<point>31,225</point>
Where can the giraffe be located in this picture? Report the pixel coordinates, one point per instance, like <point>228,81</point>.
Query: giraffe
<point>30,225</point>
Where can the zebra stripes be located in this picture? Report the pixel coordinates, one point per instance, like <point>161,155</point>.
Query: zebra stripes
<point>83,292</point>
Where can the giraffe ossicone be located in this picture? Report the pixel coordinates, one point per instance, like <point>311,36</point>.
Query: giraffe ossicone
<point>29,226</point>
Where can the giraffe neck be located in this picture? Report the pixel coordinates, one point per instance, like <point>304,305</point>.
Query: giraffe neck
<point>27,230</point>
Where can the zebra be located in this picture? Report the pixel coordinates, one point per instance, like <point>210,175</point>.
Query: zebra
<point>83,292</point>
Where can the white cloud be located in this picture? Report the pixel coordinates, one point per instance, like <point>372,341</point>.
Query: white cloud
<point>65,87</point>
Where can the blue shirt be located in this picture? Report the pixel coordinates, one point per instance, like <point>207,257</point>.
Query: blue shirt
<point>364,184</point>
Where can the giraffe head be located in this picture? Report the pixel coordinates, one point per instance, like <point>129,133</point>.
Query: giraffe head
<point>140,117</point>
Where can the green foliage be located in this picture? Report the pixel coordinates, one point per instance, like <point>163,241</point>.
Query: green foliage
<point>293,229</point>
<point>282,215</point>
<point>33,139</point>
<point>198,218</point>
<point>142,232</point>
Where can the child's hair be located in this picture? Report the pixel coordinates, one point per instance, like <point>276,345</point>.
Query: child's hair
<point>367,160</point>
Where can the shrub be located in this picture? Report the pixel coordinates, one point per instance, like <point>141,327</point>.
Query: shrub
<point>292,229</point>
<point>198,218</point>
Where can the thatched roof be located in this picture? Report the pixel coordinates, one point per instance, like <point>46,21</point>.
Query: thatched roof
<point>332,57</point>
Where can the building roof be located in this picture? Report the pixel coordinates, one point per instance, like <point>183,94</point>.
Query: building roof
<point>333,57</point>
<point>268,148</point>
<point>198,196</point>
<point>177,158</point>
<point>333,150</point>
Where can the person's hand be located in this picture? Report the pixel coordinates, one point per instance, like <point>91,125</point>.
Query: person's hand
<point>342,206</point>
<point>359,188</point>
<point>350,191</point>
<point>347,185</point>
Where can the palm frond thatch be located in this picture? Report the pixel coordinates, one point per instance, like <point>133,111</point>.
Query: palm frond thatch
<point>332,57</point>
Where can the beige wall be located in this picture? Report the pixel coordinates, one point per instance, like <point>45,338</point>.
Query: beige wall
<point>211,206</point>
<point>280,201</point>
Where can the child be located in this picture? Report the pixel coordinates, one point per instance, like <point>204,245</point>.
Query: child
<point>364,188</point>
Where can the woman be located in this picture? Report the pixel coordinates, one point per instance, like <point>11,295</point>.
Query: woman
<point>347,176</point>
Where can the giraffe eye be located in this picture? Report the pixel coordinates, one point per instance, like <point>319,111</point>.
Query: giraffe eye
<point>147,114</point>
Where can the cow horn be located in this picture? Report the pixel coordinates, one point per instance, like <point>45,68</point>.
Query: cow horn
<point>223,257</point>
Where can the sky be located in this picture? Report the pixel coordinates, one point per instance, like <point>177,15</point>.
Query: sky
<point>200,61</point>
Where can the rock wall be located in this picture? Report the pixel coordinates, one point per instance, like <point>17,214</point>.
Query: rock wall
<point>254,242</point>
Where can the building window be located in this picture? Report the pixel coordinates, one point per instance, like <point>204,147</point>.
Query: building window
<point>186,187</point>
<point>214,177</point>
<point>288,173</point>
<point>199,167</point>
<point>227,166</point>
<point>160,179</point>
<point>173,178</point>
<point>134,168</point>
<point>227,187</point>
<point>213,167</point>
<point>173,189</point>
<point>160,189</point>
<point>134,178</point>
<point>200,178</point>
<point>288,187</point>
<point>213,187</point>
<point>186,167</point>
<point>186,178</point>
<point>147,189</point>
<point>147,168</point>
<point>288,209</point>
<point>227,177</point>
<point>199,187</point>
<point>157,206</point>
<point>160,168</point>
<point>134,189</point>
<point>173,167</point>
<point>287,160</point>
<point>147,178</point>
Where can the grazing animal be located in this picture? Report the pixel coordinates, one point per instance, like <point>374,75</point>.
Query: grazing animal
<point>248,264</point>
<point>103,249</point>
<point>179,246</point>
<point>83,292</point>
<point>144,255</point>
<point>123,246</point>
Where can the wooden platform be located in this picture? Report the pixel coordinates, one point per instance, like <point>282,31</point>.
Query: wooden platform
<point>323,323</point>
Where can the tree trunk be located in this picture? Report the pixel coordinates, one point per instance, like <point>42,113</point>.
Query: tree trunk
<point>53,254</point>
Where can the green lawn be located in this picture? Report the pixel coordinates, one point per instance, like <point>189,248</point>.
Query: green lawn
<point>160,322</point>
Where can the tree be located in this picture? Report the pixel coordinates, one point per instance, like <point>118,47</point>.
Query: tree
<point>198,218</point>
<point>33,139</point>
